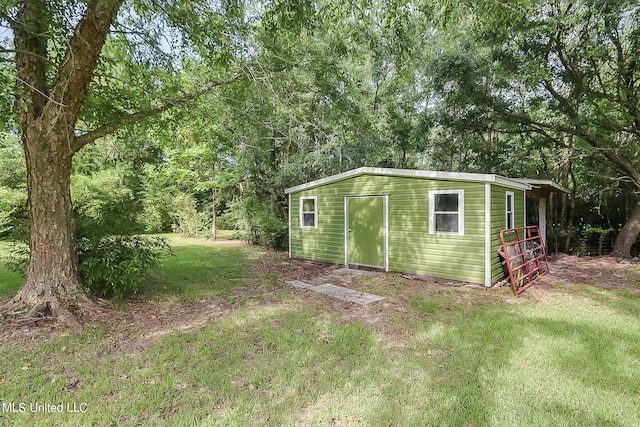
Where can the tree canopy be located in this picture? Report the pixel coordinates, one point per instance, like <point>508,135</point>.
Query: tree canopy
<point>176,115</point>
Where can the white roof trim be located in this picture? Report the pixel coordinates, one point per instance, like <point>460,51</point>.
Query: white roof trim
<point>538,183</point>
<point>412,173</point>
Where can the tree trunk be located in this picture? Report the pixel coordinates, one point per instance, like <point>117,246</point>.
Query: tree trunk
<point>628,234</point>
<point>49,142</point>
<point>214,215</point>
<point>567,200</point>
<point>52,286</point>
<point>47,108</point>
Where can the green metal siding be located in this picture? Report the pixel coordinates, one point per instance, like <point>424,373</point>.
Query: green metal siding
<point>498,223</point>
<point>411,248</point>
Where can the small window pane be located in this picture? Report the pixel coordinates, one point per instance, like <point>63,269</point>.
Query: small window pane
<point>446,202</point>
<point>510,216</point>
<point>309,219</point>
<point>308,205</point>
<point>447,223</point>
<point>509,220</point>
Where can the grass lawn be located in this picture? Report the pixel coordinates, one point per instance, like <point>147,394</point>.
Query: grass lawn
<point>9,282</point>
<point>267,354</point>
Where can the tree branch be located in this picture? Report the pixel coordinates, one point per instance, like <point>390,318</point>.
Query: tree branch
<point>614,161</point>
<point>9,19</point>
<point>76,69</point>
<point>620,163</point>
<point>30,51</point>
<point>111,127</point>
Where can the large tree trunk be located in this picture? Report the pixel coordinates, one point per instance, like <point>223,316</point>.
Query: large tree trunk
<point>52,286</point>
<point>47,116</point>
<point>628,234</point>
<point>47,112</point>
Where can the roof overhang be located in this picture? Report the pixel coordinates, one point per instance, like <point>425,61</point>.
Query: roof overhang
<point>542,187</point>
<point>412,173</point>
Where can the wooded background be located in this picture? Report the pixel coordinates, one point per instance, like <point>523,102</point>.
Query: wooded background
<point>192,116</point>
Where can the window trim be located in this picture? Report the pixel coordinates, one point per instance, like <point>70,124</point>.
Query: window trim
<point>433,213</point>
<point>511,209</point>
<point>303,212</point>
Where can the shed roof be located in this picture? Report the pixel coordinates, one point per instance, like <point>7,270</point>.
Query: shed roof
<point>542,187</point>
<point>412,173</point>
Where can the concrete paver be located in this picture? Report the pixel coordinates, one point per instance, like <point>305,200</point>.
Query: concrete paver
<point>321,284</point>
<point>299,284</point>
<point>347,294</point>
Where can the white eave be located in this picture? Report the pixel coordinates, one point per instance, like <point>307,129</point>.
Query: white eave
<point>411,173</point>
<point>545,185</point>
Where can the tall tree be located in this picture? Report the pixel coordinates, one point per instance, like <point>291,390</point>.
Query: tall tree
<point>57,47</point>
<point>568,72</point>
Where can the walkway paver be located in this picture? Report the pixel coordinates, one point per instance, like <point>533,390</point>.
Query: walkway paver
<point>347,294</point>
<point>300,284</point>
<point>321,284</point>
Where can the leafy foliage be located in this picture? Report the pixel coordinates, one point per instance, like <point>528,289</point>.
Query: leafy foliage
<point>260,225</point>
<point>13,194</point>
<point>104,204</point>
<point>17,258</point>
<point>186,218</point>
<point>115,266</point>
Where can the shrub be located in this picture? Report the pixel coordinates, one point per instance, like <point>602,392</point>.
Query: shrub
<point>594,239</point>
<point>260,225</point>
<point>5,222</point>
<point>115,266</point>
<point>13,213</point>
<point>267,230</point>
<point>156,214</point>
<point>104,205</point>
<point>17,258</point>
<point>186,218</point>
<point>110,266</point>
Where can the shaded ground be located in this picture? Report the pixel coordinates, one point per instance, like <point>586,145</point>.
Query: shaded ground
<point>139,323</point>
<point>606,272</point>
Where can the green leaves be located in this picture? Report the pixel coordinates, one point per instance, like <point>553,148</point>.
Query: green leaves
<point>115,266</point>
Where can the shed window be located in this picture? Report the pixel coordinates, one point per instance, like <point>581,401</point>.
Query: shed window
<point>509,210</point>
<point>446,212</point>
<point>309,212</point>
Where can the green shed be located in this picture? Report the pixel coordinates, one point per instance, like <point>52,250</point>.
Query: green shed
<point>440,224</point>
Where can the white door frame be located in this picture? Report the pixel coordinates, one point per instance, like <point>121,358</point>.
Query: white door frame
<point>385,221</point>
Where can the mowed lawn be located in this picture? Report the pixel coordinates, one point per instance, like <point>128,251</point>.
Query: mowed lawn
<point>428,355</point>
<point>10,282</point>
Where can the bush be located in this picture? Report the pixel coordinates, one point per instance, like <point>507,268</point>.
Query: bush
<point>115,266</point>
<point>18,258</point>
<point>110,266</point>
<point>267,230</point>
<point>186,218</point>
<point>260,225</point>
<point>5,222</point>
<point>156,215</point>
<point>594,239</point>
<point>13,213</point>
<point>104,205</point>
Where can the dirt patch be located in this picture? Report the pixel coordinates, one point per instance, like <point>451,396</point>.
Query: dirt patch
<point>606,272</point>
<point>140,323</point>
<point>285,269</point>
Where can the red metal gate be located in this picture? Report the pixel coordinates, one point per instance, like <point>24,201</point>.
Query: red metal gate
<point>526,258</point>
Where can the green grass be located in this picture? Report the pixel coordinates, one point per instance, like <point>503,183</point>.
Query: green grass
<point>9,282</point>
<point>435,356</point>
<point>200,271</point>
